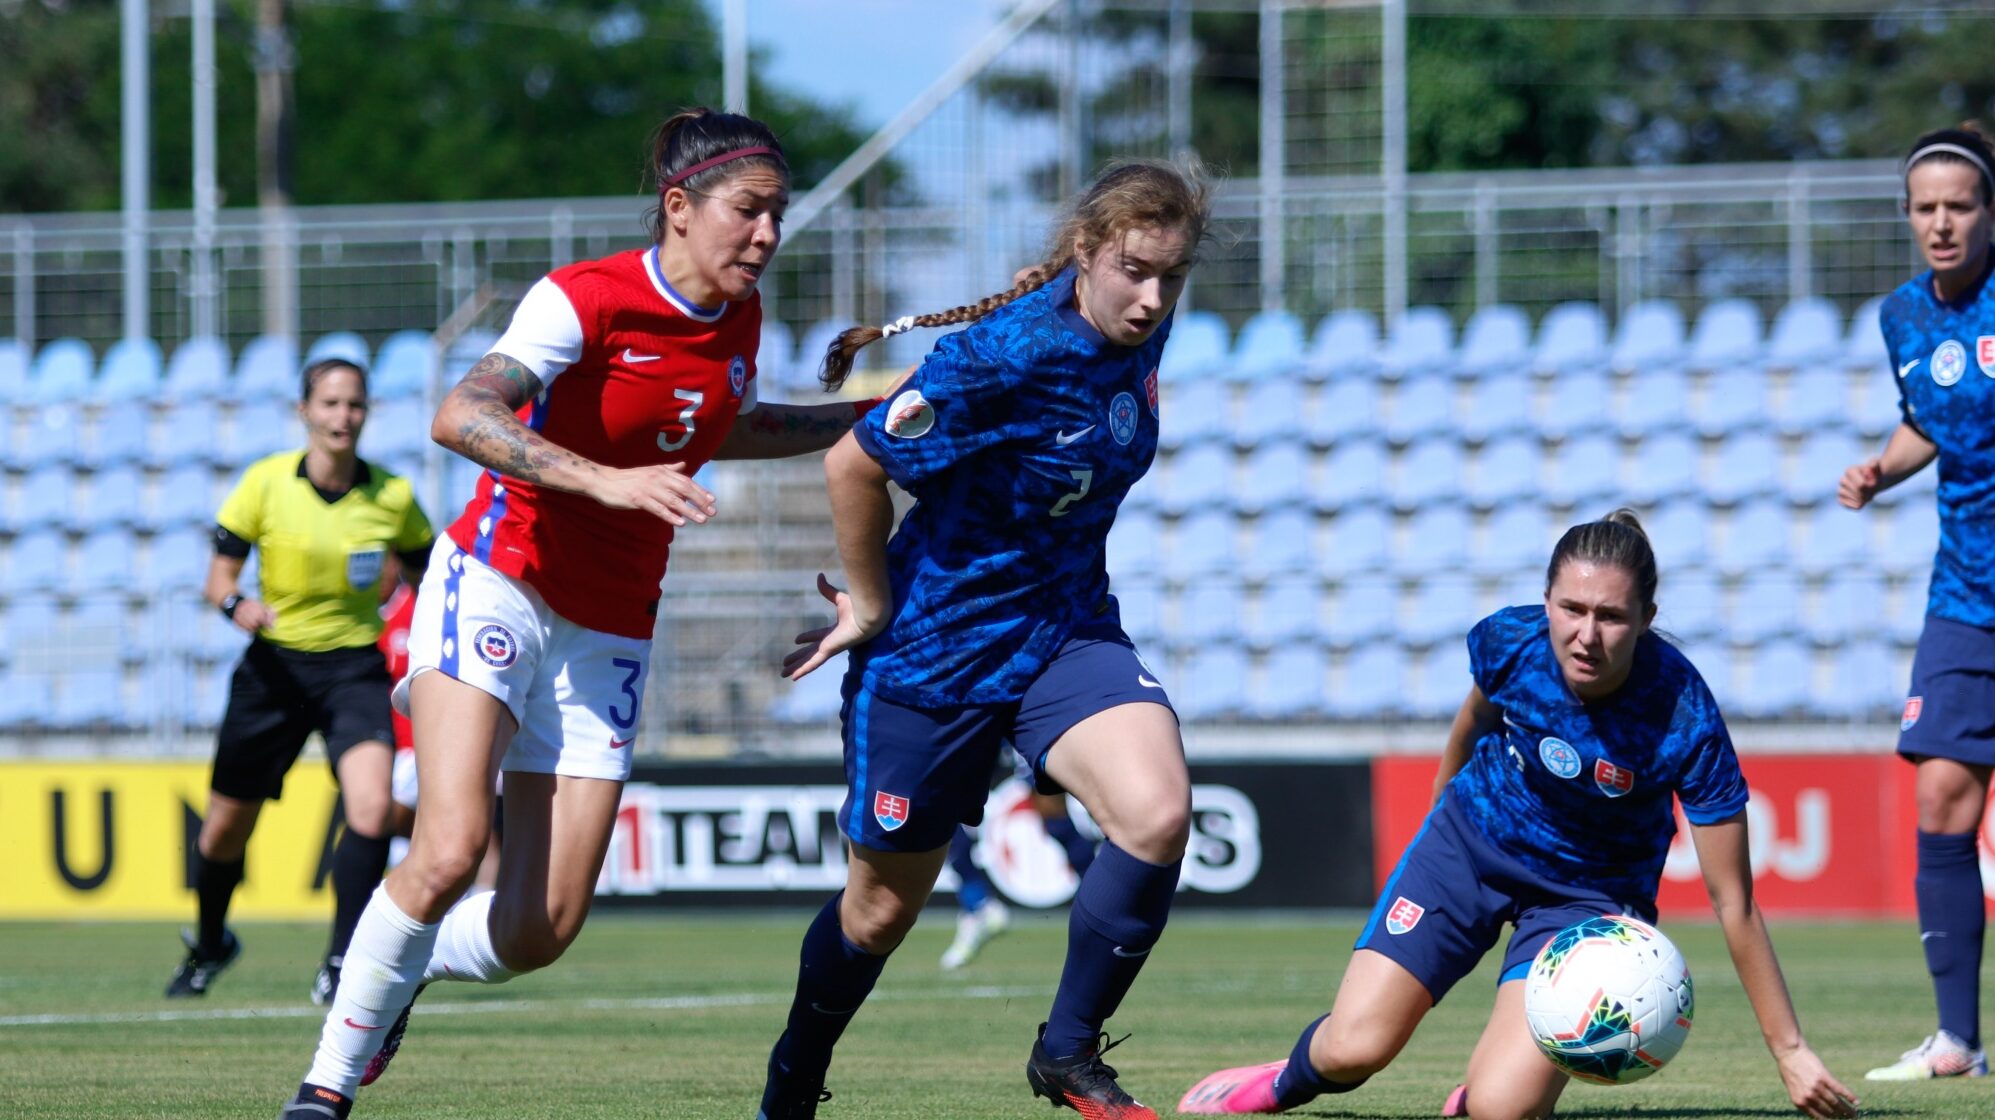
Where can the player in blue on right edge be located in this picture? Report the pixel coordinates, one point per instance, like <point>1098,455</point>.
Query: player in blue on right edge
<point>988,616</point>
<point>1552,805</point>
<point>1940,329</point>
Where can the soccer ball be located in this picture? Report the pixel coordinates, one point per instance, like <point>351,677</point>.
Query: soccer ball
<point>1608,1000</point>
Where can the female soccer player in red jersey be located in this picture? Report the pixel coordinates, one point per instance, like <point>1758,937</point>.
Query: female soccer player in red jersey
<point>616,381</point>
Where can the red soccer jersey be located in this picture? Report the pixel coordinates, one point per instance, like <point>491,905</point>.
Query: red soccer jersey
<point>651,378</point>
<point>397,615</point>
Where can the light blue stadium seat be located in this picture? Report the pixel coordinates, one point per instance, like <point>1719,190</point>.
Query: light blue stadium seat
<point>815,699</point>
<point>1917,490</point>
<point>1140,603</point>
<point>1680,532</point>
<point>1366,610</point>
<point>1665,466</point>
<point>1271,412</point>
<point>1345,410</point>
<point>774,356</point>
<point>1209,612</point>
<point>1441,681</point>
<point>1767,606</point>
<point>1201,478</point>
<point>461,355</point>
<point>1580,402</point>
<point>1346,344</point>
<point>1428,472</point>
<point>187,435</point>
<point>1817,399</point>
<point>1820,465</point>
<point>1292,686</point>
<point>1497,338</point>
<point>1424,405</point>
<point>1284,544</point>
<point>26,700</point>
<point>1783,681</point>
<point>1198,347</point>
<point>1194,412</point>
<point>1270,345</point>
<point>1354,474</point>
<point>1651,337</point>
<point>1907,617</point>
<point>345,345</point>
<point>88,698</point>
<point>1134,544</point>
<point>1289,610</point>
<point>404,367</point>
<point>130,372</point>
<point>1756,538</point>
<point>13,372</point>
<point>211,695</point>
<point>53,434</point>
<point>100,626</point>
<point>1517,537</point>
<point>45,500</point>
<point>1504,472</point>
<point>1437,540</point>
<point>1572,336</point>
<point>1657,400</point>
<point>1584,470</point>
<point>1202,546</point>
<point>1499,404</point>
<point>121,435</point>
<point>1441,611</point>
<point>104,563</point>
<point>396,429</point>
<point>1143,494</point>
<point>1913,539</point>
<point>179,564</point>
<point>61,372</point>
<point>198,370</point>
<point>1421,343</point>
<point>1745,466</point>
<point>810,355</point>
<point>31,628</point>
<point>1852,606</point>
<point>1863,347</point>
<point>1211,683</point>
<point>1524,587</point>
<point>1277,476</point>
<point>37,562</point>
<point>1836,538</point>
<point>1807,332</point>
<point>1726,337</point>
<point>267,427</point>
<point>269,368</point>
<point>165,694</point>
<point>117,501</point>
<point>1868,680</point>
<point>190,626</point>
<point>1713,661</point>
<point>1372,685</point>
<point>1360,541</point>
<point>1734,401</point>
<point>185,496</point>
<point>1690,604</point>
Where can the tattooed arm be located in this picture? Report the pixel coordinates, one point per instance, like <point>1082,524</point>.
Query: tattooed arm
<point>776,431</point>
<point>479,421</point>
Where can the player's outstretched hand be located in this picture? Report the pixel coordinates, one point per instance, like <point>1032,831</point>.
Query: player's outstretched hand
<point>664,490</point>
<point>1812,1088</point>
<point>1859,483</point>
<point>815,647</point>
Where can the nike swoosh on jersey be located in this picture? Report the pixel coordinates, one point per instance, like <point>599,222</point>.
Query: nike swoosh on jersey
<point>633,358</point>
<point>1062,439</point>
<point>1146,682</point>
<point>1908,367</point>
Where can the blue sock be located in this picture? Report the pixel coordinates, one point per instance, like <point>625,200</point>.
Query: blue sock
<point>1300,1083</point>
<point>976,886</point>
<point>1951,924</point>
<point>833,980</point>
<point>1079,848</point>
<point>1119,912</point>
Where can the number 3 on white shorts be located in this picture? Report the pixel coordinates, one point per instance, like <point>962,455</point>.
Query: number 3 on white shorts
<point>634,667</point>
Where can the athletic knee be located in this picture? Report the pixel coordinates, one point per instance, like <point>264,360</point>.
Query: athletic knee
<point>533,947</point>
<point>1159,833</point>
<point>876,922</point>
<point>371,817</point>
<point>440,877</point>
<point>1949,804</point>
<point>1350,1055</point>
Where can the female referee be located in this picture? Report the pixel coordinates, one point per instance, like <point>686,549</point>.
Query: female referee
<point>1940,330</point>
<point>1552,804</point>
<point>617,379</point>
<point>324,521</point>
<point>987,617</point>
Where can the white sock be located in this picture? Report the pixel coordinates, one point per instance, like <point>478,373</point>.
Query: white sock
<point>464,949</point>
<point>384,966</point>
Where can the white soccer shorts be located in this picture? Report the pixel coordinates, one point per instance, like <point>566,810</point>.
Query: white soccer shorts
<point>576,692</point>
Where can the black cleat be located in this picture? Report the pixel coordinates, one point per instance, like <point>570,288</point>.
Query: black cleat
<point>391,1042</point>
<point>326,983</point>
<point>316,1102</point>
<point>1083,1082</point>
<point>787,1096</point>
<point>198,972</point>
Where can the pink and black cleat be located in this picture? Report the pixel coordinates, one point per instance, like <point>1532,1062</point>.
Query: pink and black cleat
<point>1457,1103</point>
<point>1247,1089</point>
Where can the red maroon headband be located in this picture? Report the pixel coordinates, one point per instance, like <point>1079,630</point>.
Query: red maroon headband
<point>738,153</point>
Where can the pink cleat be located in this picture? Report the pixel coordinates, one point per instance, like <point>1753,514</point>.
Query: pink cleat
<point>1458,1103</point>
<point>1234,1091</point>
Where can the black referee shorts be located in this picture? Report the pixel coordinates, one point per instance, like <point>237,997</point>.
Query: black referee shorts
<point>279,696</point>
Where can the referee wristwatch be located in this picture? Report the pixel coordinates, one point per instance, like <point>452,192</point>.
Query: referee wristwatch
<point>229,604</point>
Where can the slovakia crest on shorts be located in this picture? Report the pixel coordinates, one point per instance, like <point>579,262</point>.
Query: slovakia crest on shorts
<point>889,810</point>
<point>737,375</point>
<point>1949,362</point>
<point>1614,781</point>
<point>1150,386</point>
<point>1913,706</point>
<point>1559,757</point>
<point>1404,915</point>
<point>496,645</point>
<point>1984,353</point>
<point>1122,418</point>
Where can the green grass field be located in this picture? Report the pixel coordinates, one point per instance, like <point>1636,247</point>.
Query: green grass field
<point>672,1017</point>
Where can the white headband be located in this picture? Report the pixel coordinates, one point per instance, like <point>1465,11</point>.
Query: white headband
<point>1966,153</point>
<point>901,325</point>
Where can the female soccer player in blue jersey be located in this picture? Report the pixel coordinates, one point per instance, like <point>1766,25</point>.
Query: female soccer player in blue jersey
<point>1552,805</point>
<point>1940,330</point>
<point>987,617</point>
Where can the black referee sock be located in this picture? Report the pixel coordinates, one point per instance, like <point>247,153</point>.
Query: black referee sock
<point>214,885</point>
<point>357,864</point>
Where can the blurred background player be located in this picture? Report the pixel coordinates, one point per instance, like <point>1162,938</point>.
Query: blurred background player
<point>987,617</point>
<point>617,380</point>
<point>1940,330</point>
<point>323,522</point>
<point>981,914</point>
<point>1552,804</point>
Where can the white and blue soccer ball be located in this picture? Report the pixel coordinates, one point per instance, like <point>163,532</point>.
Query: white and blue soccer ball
<point>1609,1000</point>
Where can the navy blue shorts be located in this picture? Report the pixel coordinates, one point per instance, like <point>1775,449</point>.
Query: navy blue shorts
<point>913,774</point>
<point>1950,712</point>
<point>1448,900</point>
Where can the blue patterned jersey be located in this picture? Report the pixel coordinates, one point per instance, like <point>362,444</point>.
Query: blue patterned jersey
<point>1944,354</point>
<point>1018,437</point>
<point>1578,792</point>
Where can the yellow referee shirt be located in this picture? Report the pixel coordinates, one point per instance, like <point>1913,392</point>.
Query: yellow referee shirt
<point>321,561</point>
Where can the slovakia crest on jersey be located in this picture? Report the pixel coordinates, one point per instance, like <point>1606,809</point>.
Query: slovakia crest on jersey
<point>1614,781</point>
<point>1404,915</point>
<point>1122,418</point>
<point>1984,353</point>
<point>1150,387</point>
<point>737,375</point>
<point>1949,362</point>
<point>1559,757</point>
<point>1913,706</point>
<point>889,810</point>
